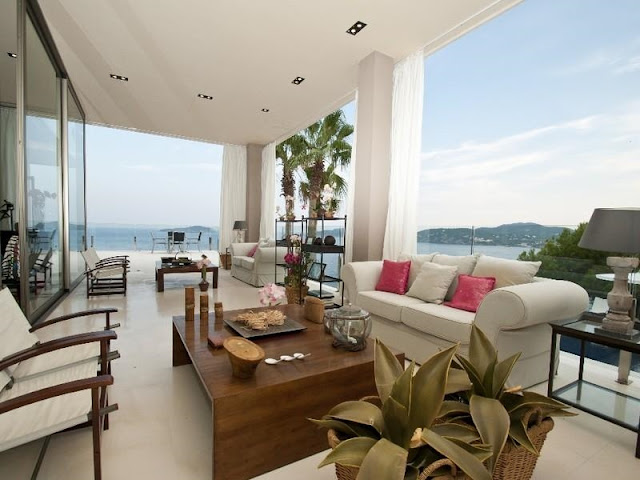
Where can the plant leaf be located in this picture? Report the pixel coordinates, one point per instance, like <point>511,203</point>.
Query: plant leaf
<point>347,428</point>
<point>396,418</point>
<point>385,460</point>
<point>518,432</point>
<point>481,351</point>
<point>473,374</point>
<point>502,372</point>
<point>401,390</point>
<point>361,412</point>
<point>350,452</point>
<point>427,392</point>
<point>465,433</point>
<point>527,400</point>
<point>487,380</point>
<point>457,381</point>
<point>450,407</point>
<point>467,462</point>
<point>387,369</point>
<point>411,473</point>
<point>479,450</point>
<point>492,421</point>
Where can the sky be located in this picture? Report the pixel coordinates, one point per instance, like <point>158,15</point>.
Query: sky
<point>535,116</point>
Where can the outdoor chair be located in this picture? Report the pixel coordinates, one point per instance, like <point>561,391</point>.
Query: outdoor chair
<point>41,266</point>
<point>178,240</point>
<point>193,240</point>
<point>162,240</point>
<point>107,276</point>
<point>55,385</point>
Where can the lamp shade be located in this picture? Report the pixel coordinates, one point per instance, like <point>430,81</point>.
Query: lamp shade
<point>239,225</point>
<point>613,230</point>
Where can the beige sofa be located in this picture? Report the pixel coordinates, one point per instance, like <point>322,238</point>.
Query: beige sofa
<point>514,317</point>
<point>259,269</point>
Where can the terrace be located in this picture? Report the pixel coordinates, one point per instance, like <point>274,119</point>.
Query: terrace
<point>59,81</point>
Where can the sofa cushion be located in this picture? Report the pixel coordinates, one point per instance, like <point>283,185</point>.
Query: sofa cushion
<point>439,320</point>
<point>506,272</point>
<point>416,264</point>
<point>394,277</point>
<point>243,262</point>
<point>433,282</point>
<point>465,264</point>
<point>470,292</point>
<point>385,304</point>
<point>252,252</point>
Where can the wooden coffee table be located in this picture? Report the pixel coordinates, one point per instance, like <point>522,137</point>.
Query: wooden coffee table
<point>163,269</point>
<point>260,424</point>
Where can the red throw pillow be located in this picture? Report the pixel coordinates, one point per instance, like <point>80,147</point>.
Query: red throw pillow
<point>394,277</point>
<point>252,252</point>
<point>470,292</point>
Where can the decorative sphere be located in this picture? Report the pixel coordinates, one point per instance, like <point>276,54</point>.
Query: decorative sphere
<point>317,241</point>
<point>329,240</point>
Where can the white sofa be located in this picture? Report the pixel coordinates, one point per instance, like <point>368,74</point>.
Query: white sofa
<point>259,269</point>
<point>514,317</point>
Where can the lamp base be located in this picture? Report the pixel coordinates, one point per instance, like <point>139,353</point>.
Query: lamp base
<point>619,299</point>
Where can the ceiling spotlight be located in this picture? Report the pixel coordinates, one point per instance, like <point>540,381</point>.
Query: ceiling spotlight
<point>12,55</point>
<point>119,77</point>
<point>206,97</point>
<point>265,110</point>
<point>298,80</point>
<point>356,27</point>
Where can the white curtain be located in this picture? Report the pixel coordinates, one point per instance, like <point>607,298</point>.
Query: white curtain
<point>351,193</point>
<point>233,194</point>
<point>8,159</point>
<point>268,198</point>
<point>406,134</point>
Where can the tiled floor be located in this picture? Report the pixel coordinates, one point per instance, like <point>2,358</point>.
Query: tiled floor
<point>162,430</point>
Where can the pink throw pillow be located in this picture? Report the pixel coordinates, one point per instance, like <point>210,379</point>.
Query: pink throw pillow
<point>394,277</point>
<point>252,252</point>
<point>470,292</point>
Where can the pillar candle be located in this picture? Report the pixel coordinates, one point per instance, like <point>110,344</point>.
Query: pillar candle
<point>204,306</point>
<point>189,303</point>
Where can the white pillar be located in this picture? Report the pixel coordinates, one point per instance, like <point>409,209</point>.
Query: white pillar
<point>373,146</point>
<point>254,191</point>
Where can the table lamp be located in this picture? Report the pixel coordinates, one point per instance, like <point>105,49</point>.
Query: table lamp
<point>616,230</point>
<point>239,227</point>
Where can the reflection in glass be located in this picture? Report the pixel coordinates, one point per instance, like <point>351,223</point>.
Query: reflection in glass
<point>43,174</point>
<point>75,141</point>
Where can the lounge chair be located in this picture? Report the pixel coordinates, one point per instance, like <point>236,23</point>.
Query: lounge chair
<point>107,276</point>
<point>193,240</point>
<point>162,240</point>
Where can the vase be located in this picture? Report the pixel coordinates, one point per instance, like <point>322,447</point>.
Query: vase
<point>328,214</point>
<point>204,286</point>
<point>295,295</point>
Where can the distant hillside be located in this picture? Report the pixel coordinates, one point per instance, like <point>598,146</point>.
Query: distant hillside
<point>531,235</point>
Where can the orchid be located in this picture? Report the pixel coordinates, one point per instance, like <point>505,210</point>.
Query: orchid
<point>202,264</point>
<point>297,262</point>
<point>271,294</point>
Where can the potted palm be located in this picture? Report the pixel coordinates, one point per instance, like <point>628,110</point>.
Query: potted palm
<point>452,417</point>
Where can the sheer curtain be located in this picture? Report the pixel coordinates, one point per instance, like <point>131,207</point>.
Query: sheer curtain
<point>268,198</point>
<point>406,141</point>
<point>348,249</point>
<point>233,194</point>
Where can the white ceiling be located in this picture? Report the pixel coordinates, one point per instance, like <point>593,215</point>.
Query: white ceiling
<point>244,53</point>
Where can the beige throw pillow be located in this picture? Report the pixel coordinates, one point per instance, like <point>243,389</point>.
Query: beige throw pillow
<point>432,282</point>
<point>506,272</point>
<point>416,264</point>
<point>465,264</point>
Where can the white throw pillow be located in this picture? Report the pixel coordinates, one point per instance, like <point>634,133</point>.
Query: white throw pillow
<point>465,264</point>
<point>433,282</point>
<point>506,272</point>
<point>416,264</point>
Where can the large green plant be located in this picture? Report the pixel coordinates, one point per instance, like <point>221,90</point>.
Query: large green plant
<point>400,438</point>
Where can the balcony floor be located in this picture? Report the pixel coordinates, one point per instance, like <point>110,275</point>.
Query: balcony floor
<point>162,430</point>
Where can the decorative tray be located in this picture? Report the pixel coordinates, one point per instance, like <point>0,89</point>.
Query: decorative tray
<point>288,326</point>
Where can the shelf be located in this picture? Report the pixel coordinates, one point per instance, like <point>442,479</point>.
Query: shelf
<point>323,248</point>
<point>329,279</point>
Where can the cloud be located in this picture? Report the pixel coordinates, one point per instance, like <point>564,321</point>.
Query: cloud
<point>619,59</point>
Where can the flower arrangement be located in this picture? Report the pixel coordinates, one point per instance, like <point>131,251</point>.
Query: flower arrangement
<point>290,214</point>
<point>271,295</point>
<point>330,202</point>
<point>297,262</point>
<point>202,264</point>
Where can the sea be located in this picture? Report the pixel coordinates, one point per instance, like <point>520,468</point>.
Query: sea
<point>139,237</point>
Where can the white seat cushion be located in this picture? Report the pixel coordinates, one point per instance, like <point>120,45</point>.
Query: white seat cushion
<point>247,263</point>
<point>63,358</point>
<point>108,272</point>
<point>385,304</point>
<point>440,321</point>
<point>39,419</point>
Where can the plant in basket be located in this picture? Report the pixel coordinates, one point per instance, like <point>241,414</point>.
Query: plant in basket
<point>451,419</point>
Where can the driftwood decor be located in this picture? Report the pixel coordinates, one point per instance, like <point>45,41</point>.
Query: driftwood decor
<point>244,356</point>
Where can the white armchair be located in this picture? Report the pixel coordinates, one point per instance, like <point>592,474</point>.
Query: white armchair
<point>259,269</point>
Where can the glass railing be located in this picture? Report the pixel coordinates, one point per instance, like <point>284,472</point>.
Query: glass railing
<point>524,242</point>
<point>140,237</point>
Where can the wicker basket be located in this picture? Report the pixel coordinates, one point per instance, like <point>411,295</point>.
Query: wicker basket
<point>514,463</point>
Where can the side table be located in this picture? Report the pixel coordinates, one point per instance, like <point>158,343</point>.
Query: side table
<point>618,408</point>
<point>225,259</point>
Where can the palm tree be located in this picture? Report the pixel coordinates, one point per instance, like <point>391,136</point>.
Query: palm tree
<point>326,150</point>
<point>290,154</point>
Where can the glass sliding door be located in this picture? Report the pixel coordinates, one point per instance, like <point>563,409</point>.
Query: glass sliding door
<point>75,141</point>
<point>43,175</point>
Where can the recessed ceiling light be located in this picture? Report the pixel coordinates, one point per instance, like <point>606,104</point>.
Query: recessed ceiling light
<point>119,77</point>
<point>298,80</point>
<point>265,110</point>
<point>206,97</point>
<point>356,27</point>
<point>12,55</point>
